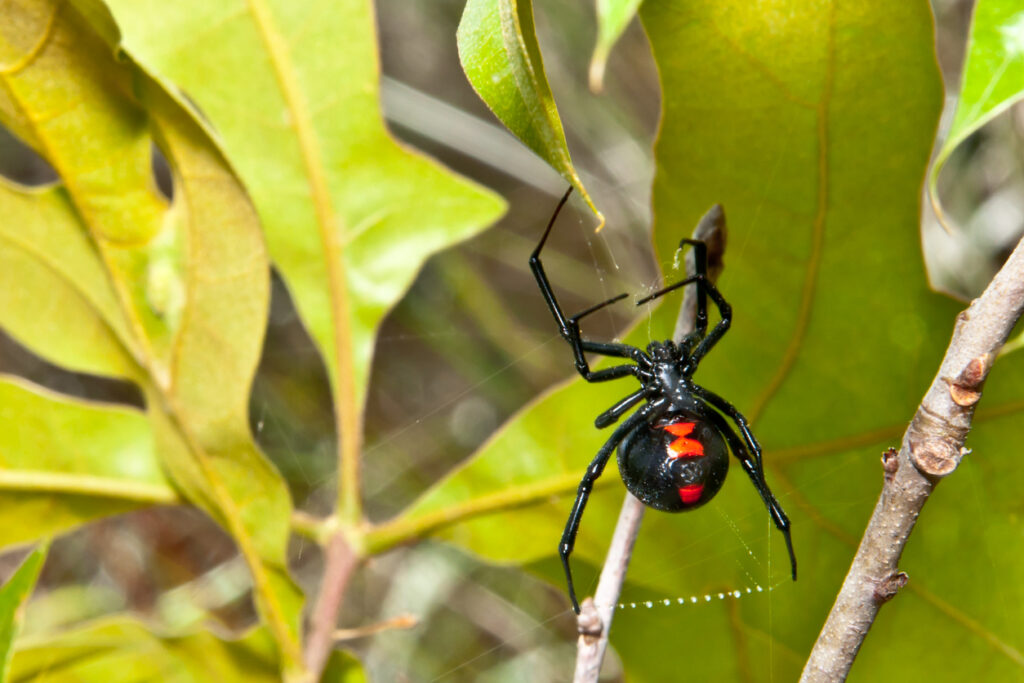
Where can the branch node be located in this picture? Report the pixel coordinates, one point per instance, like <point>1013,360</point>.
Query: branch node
<point>965,390</point>
<point>935,444</point>
<point>588,623</point>
<point>934,457</point>
<point>890,463</point>
<point>888,587</point>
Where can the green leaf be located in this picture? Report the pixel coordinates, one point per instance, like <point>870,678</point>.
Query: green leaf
<point>992,80</point>
<point>13,595</point>
<point>123,650</point>
<point>613,16</point>
<point>343,668</point>
<point>201,420</point>
<point>500,55</point>
<point>78,323</point>
<point>349,215</point>
<point>64,461</point>
<point>817,155</point>
<point>190,280</point>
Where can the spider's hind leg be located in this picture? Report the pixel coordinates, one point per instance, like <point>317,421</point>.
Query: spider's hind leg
<point>594,470</point>
<point>748,451</point>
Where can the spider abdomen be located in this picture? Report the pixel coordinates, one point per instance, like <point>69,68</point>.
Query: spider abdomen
<point>677,463</point>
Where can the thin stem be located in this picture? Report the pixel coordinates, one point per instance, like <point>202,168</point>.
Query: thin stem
<point>401,622</point>
<point>88,485</point>
<point>595,620</point>
<point>339,563</point>
<point>312,527</point>
<point>932,448</point>
<point>404,529</point>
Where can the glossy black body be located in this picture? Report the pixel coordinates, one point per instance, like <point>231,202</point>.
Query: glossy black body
<point>667,395</point>
<point>652,474</point>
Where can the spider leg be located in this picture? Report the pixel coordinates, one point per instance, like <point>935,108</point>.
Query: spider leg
<point>569,326</point>
<point>619,409</point>
<point>579,346</point>
<point>737,417</point>
<point>594,470</point>
<point>615,350</point>
<point>700,257</point>
<point>724,310</point>
<point>748,452</point>
<point>614,372</point>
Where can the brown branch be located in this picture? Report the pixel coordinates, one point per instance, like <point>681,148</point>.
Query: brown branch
<point>932,448</point>
<point>595,619</point>
<point>401,622</point>
<point>340,561</point>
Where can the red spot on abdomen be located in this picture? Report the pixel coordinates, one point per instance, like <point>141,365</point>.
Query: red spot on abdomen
<point>683,447</point>
<point>691,493</point>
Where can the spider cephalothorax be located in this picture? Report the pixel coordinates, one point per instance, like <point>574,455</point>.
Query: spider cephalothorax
<point>674,450</point>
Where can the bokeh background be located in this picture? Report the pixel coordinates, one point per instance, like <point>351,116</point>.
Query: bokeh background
<point>470,344</point>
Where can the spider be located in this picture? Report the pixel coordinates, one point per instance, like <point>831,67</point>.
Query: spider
<point>674,450</point>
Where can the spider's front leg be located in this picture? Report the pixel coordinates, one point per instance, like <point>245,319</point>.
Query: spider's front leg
<point>705,288</point>
<point>569,327</point>
<point>619,409</point>
<point>594,470</point>
<point>748,451</point>
<point>700,259</point>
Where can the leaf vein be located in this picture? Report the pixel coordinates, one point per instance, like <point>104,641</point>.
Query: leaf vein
<point>346,406</point>
<point>817,236</point>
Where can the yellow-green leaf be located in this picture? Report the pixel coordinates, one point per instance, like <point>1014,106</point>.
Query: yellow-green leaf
<point>201,417</point>
<point>501,57</point>
<point>993,77</point>
<point>613,16</point>
<point>13,595</point>
<point>342,667</point>
<point>64,461</point>
<point>350,216</point>
<point>190,280</point>
<point>55,296</point>
<point>123,650</point>
<point>46,100</point>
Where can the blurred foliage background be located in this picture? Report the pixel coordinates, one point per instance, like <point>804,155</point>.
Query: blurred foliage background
<point>469,345</point>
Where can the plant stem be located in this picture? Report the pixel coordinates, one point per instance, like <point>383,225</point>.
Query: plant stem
<point>384,537</point>
<point>88,485</point>
<point>932,448</point>
<point>340,561</point>
<point>595,620</point>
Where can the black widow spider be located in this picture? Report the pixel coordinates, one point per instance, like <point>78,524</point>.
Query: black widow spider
<point>672,451</point>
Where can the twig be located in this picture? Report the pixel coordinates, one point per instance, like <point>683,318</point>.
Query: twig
<point>932,448</point>
<point>339,562</point>
<point>595,620</point>
<point>401,622</point>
